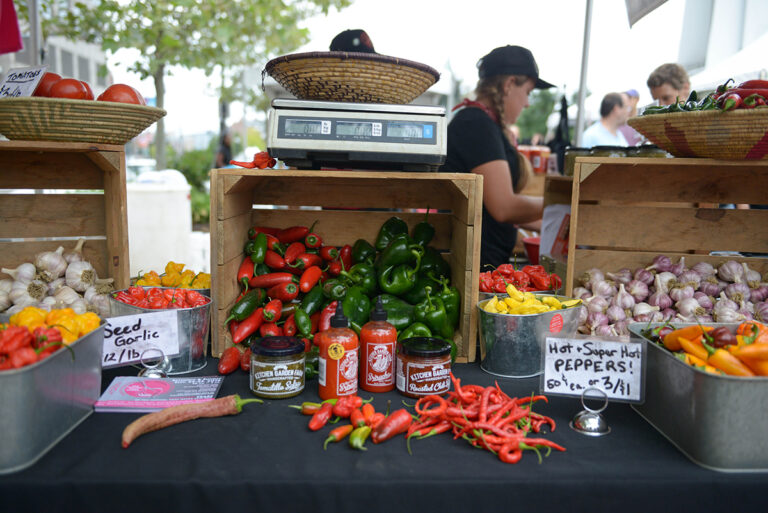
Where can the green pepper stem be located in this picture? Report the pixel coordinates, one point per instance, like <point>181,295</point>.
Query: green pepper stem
<point>239,402</point>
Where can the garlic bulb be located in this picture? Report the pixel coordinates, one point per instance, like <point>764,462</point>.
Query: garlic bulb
<point>79,306</point>
<point>76,255</point>
<point>5,285</point>
<point>97,296</point>
<point>80,275</point>
<point>66,295</point>
<point>5,301</point>
<point>14,310</point>
<point>27,294</point>
<point>24,273</point>
<point>51,264</point>
<point>55,285</point>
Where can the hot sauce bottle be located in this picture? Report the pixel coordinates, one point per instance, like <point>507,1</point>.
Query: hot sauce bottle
<point>377,352</point>
<point>337,362</point>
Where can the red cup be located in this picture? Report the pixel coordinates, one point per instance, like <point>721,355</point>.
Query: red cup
<point>531,245</point>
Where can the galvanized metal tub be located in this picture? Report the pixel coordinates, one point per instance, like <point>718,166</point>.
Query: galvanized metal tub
<point>193,327</point>
<point>45,401</point>
<point>716,421</point>
<point>514,343</point>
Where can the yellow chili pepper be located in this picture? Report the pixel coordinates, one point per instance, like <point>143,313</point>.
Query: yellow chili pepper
<point>202,281</point>
<point>171,280</point>
<point>490,306</point>
<point>570,303</point>
<point>552,302</point>
<point>514,293</point>
<point>86,323</point>
<point>30,317</point>
<point>512,303</point>
<point>173,267</point>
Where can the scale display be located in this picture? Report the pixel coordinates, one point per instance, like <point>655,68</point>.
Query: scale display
<point>307,126</point>
<point>384,131</point>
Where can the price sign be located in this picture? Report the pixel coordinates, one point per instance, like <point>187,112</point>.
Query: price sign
<point>126,337</point>
<point>21,81</point>
<point>571,366</point>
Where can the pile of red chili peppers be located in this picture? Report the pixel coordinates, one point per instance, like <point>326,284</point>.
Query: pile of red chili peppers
<point>529,278</point>
<point>485,417</point>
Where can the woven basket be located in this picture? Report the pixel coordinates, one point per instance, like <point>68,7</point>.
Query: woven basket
<point>34,118</point>
<point>351,77</point>
<point>734,135</point>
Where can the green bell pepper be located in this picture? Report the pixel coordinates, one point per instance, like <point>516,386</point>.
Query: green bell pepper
<point>399,279</point>
<point>356,305</point>
<point>424,232</point>
<point>400,251</point>
<point>399,312</point>
<point>334,289</point>
<point>418,293</point>
<point>433,261</point>
<point>417,329</point>
<point>391,227</point>
<point>451,298</point>
<point>261,269</point>
<point>363,251</point>
<point>364,275</point>
<point>432,312</point>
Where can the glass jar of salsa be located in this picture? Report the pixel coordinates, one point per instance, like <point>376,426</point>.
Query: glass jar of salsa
<point>277,367</point>
<point>423,366</point>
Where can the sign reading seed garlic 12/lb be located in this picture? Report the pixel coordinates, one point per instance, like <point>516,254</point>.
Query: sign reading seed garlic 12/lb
<point>572,366</point>
<point>128,336</point>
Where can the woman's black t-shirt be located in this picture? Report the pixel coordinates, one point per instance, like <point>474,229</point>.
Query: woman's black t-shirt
<point>474,139</point>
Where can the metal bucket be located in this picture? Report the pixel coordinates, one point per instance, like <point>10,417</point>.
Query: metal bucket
<point>514,343</point>
<point>45,401</point>
<point>193,326</point>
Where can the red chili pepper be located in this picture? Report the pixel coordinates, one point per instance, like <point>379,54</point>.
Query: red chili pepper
<point>285,292</point>
<point>268,230</point>
<point>752,101</point>
<point>328,253</point>
<point>338,434</point>
<point>345,255</point>
<point>267,281</point>
<point>292,251</point>
<point>293,234</point>
<point>247,165</point>
<point>541,281</point>
<point>315,320</point>
<point>555,282</point>
<point>730,101</point>
<point>261,160</point>
<point>273,310</point>
<point>245,360</point>
<point>377,418</point>
<point>305,261</point>
<point>245,272</point>
<point>233,328</point>
<point>313,240</point>
<point>357,418</point>
<point>289,326</point>
<point>248,326</point>
<point>334,267</point>
<point>309,278</point>
<point>325,316</point>
<point>395,423</point>
<point>274,244</point>
<point>368,413</point>
<point>229,361</point>
<point>321,417</point>
<point>273,260</point>
<point>270,329</point>
<point>754,84</point>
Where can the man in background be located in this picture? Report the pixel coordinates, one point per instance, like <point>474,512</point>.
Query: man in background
<point>669,83</point>
<point>605,132</point>
<point>630,98</point>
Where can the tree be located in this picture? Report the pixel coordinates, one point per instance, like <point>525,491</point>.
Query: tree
<point>211,35</point>
<point>533,120</point>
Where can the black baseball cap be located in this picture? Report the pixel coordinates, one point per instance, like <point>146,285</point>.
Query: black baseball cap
<point>511,60</point>
<point>353,40</point>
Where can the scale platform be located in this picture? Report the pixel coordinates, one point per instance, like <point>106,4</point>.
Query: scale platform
<point>317,134</point>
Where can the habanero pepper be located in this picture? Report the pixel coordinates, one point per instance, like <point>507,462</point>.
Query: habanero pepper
<point>393,424</point>
<point>309,278</point>
<point>321,417</point>
<point>14,338</point>
<point>22,357</point>
<point>328,253</point>
<point>247,326</point>
<point>344,407</point>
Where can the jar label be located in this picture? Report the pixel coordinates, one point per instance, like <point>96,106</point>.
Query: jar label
<point>277,379</point>
<point>347,373</point>
<point>380,364</point>
<point>423,378</point>
<point>335,351</point>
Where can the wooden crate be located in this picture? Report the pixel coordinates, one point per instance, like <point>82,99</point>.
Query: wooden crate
<point>625,211</point>
<point>57,192</point>
<point>282,198</point>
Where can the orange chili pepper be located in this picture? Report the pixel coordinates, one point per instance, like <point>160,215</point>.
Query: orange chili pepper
<point>671,339</point>
<point>694,348</point>
<point>726,362</point>
<point>759,367</point>
<point>752,351</point>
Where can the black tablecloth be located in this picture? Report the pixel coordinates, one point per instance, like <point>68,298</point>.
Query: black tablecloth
<point>266,459</point>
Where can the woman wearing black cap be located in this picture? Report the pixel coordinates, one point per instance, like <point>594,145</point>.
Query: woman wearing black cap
<point>477,143</point>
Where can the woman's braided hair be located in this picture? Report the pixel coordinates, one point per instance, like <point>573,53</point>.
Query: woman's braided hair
<point>493,88</point>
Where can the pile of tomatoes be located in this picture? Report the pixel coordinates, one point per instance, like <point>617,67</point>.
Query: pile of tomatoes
<point>54,86</point>
<point>156,298</point>
<point>529,278</point>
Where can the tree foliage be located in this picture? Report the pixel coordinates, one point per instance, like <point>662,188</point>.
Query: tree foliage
<point>533,120</point>
<point>221,36</point>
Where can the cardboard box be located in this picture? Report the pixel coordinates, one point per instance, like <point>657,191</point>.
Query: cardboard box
<point>347,205</point>
<point>60,192</point>
<point>625,211</point>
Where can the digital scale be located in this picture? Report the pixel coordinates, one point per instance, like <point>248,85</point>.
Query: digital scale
<point>316,134</point>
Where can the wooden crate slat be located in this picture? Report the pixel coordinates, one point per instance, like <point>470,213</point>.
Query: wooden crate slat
<point>50,215</point>
<point>673,229</point>
<point>37,170</point>
<point>229,240</point>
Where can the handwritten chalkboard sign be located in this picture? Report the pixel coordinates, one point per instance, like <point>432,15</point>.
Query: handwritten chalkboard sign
<point>571,366</point>
<point>126,337</point>
<point>21,81</point>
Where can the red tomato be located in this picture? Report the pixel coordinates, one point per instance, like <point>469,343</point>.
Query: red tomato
<point>69,88</point>
<point>89,92</point>
<point>45,84</point>
<point>122,93</point>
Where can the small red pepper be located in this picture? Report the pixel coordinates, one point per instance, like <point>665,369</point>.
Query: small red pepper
<point>270,329</point>
<point>14,338</point>
<point>268,230</point>
<point>267,281</point>
<point>289,326</point>
<point>730,101</point>
<point>334,267</point>
<point>273,260</point>
<point>261,160</point>
<point>395,423</point>
<point>292,251</point>
<point>325,316</point>
<point>345,255</point>
<point>313,240</point>
<point>285,292</point>
<point>22,357</point>
<point>245,360</point>
<point>344,407</point>
<point>328,253</point>
<point>356,418</point>
<point>248,326</point>
<point>368,413</point>
<point>321,417</point>
<point>338,434</point>
<point>273,310</point>
<point>137,292</point>
<point>229,361</point>
<point>245,272</point>
<point>294,233</point>
<point>309,278</point>
<point>305,261</point>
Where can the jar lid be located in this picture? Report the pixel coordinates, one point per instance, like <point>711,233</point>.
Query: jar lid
<point>610,148</point>
<point>577,149</point>
<point>424,346</point>
<point>277,346</point>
